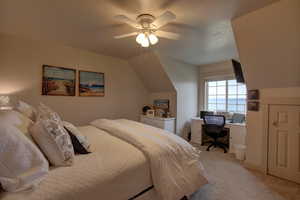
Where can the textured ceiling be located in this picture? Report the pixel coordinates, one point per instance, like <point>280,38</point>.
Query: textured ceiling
<point>204,25</point>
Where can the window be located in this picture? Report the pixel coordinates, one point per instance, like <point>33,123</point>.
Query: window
<point>226,96</point>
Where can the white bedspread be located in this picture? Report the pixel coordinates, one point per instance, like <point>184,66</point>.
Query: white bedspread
<point>175,166</point>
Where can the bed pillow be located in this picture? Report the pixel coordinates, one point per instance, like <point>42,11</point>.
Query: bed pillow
<point>22,165</point>
<point>79,141</point>
<point>44,112</point>
<point>54,141</point>
<point>27,110</point>
<point>16,119</point>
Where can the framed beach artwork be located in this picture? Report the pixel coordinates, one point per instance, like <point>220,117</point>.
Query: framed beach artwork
<point>58,81</point>
<point>91,84</point>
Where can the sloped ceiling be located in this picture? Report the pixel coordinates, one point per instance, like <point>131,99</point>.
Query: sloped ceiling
<point>152,73</point>
<point>89,24</point>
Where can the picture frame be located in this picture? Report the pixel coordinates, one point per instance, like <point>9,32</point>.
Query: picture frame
<point>253,94</point>
<point>91,84</point>
<point>163,104</point>
<point>253,106</point>
<point>58,81</point>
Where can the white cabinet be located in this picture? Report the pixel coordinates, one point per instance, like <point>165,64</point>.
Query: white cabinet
<point>167,124</point>
<point>237,133</point>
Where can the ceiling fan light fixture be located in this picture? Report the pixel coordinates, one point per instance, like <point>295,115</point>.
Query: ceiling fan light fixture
<point>140,38</point>
<point>153,39</point>
<point>145,42</point>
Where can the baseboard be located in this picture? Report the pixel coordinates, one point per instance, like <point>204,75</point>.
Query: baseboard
<point>254,167</point>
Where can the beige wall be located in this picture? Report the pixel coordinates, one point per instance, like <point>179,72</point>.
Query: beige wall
<point>220,70</point>
<point>21,63</point>
<point>269,45</point>
<point>185,80</point>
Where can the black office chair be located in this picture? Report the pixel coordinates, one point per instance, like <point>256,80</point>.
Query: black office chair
<point>214,128</point>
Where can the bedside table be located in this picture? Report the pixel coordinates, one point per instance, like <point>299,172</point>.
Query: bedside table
<point>167,124</point>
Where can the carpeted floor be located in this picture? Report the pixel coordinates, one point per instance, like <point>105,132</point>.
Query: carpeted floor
<point>229,180</point>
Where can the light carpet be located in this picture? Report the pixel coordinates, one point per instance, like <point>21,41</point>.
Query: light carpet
<point>230,180</point>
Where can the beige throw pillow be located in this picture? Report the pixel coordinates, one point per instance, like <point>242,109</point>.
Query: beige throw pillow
<point>54,141</point>
<point>27,110</point>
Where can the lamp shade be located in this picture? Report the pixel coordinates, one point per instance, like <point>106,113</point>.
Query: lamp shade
<point>4,100</point>
<point>4,103</point>
<point>153,39</point>
<point>140,38</point>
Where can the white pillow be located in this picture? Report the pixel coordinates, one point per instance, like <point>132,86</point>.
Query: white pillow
<point>22,165</point>
<point>27,110</point>
<point>44,112</point>
<point>54,141</point>
<point>16,119</point>
<point>81,138</point>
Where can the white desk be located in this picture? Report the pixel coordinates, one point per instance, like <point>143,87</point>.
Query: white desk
<point>237,133</point>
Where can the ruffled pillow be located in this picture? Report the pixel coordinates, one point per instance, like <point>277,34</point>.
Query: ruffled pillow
<point>44,112</point>
<point>54,141</point>
<point>27,110</point>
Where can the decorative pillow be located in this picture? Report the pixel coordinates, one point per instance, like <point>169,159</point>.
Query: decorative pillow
<point>54,141</point>
<point>22,165</point>
<point>16,119</point>
<point>27,110</point>
<point>44,112</point>
<point>79,141</point>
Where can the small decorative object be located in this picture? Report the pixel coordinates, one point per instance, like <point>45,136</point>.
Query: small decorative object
<point>253,106</point>
<point>159,113</point>
<point>91,84</point>
<point>4,103</point>
<point>150,113</point>
<point>58,81</point>
<point>253,95</point>
<point>145,109</point>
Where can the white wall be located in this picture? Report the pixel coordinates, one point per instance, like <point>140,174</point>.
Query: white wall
<point>21,63</point>
<point>269,47</point>
<point>220,70</point>
<point>185,79</point>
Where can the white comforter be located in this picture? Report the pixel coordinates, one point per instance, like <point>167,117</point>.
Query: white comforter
<point>175,167</point>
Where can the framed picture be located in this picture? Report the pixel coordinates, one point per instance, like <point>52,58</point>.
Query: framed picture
<point>253,106</point>
<point>253,95</point>
<point>163,104</point>
<point>58,81</point>
<point>91,84</point>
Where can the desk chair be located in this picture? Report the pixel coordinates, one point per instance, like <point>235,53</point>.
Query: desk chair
<point>214,128</point>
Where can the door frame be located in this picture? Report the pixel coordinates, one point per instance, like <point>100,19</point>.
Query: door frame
<point>265,109</point>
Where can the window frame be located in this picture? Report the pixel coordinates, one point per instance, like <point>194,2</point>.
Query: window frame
<point>226,95</point>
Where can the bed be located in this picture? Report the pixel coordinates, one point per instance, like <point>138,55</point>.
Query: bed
<point>115,170</point>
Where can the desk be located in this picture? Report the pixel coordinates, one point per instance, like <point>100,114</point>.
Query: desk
<point>237,133</point>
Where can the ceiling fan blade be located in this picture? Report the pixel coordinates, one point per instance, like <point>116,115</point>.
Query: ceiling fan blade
<point>124,19</point>
<point>168,35</point>
<point>125,35</point>
<point>164,19</point>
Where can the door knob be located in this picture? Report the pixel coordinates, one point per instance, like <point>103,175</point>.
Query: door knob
<point>275,123</point>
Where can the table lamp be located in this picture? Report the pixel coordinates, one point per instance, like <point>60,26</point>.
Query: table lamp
<point>5,103</point>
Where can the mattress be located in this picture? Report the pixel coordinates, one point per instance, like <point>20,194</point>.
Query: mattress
<point>115,170</point>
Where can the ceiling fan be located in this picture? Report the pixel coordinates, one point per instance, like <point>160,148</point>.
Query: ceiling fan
<point>148,28</point>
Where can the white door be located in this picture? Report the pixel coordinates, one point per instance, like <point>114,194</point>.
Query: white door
<point>284,142</point>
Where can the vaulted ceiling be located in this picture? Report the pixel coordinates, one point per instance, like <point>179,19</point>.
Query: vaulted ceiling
<point>204,25</point>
